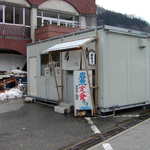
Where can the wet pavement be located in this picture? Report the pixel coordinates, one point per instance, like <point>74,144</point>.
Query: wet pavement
<point>135,138</point>
<point>38,127</point>
<point>11,105</point>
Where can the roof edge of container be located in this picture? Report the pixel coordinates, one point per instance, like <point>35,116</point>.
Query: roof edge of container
<point>107,28</point>
<point>126,31</point>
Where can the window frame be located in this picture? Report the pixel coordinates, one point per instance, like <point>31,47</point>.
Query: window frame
<point>2,13</point>
<point>67,23</point>
<point>44,62</point>
<point>14,8</point>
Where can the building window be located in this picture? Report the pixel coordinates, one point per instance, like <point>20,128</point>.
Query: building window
<point>9,14</point>
<point>18,16</point>
<point>66,17</point>
<point>50,14</point>
<point>1,13</point>
<point>27,17</point>
<point>14,15</point>
<point>46,17</point>
<point>39,22</point>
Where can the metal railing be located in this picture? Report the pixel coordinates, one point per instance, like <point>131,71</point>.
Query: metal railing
<point>58,22</point>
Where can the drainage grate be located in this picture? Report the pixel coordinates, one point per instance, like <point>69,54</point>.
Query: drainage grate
<point>98,138</point>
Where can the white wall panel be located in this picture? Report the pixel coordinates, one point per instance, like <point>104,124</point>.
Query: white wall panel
<point>124,70</point>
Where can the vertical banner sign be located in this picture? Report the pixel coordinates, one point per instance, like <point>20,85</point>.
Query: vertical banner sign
<point>82,97</point>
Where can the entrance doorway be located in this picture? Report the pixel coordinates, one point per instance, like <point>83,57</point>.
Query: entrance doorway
<point>68,87</point>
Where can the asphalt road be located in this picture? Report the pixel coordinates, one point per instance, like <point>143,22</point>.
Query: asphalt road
<point>38,127</point>
<point>136,138</point>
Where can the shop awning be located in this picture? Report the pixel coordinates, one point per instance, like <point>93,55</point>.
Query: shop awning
<point>72,45</point>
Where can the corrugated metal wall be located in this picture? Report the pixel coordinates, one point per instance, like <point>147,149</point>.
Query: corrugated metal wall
<point>125,77</point>
<point>123,67</point>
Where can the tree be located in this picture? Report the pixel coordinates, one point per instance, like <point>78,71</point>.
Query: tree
<point>106,17</point>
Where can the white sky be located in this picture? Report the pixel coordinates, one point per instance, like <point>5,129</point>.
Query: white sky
<point>138,8</point>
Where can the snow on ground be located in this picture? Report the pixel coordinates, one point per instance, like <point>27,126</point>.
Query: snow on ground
<point>11,94</point>
<point>17,71</point>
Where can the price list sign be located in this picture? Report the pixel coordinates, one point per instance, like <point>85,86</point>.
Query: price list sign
<point>82,97</point>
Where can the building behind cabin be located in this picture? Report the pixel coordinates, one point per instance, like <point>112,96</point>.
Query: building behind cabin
<point>27,21</point>
<point>121,74</point>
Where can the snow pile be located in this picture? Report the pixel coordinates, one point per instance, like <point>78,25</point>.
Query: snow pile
<point>17,71</point>
<point>11,94</point>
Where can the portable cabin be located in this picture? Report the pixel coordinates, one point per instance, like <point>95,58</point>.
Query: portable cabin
<point>114,61</point>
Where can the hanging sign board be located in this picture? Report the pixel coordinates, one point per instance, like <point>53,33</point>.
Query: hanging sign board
<point>71,60</point>
<point>82,96</point>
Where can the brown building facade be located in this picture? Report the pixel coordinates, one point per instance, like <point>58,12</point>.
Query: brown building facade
<point>25,21</point>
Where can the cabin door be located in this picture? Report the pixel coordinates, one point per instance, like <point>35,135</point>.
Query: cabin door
<point>68,87</point>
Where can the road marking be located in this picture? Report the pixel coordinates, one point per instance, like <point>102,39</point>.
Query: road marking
<point>107,146</point>
<point>93,126</point>
<point>127,116</point>
<point>116,136</point>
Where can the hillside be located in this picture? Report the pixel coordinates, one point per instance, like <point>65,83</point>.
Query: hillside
<point>121,20</point>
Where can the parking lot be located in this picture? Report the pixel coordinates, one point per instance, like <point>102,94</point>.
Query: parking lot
<point>37,127</point>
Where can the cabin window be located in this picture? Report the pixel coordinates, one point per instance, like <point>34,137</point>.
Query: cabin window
<point>44,64</point>
<point>56,58</point>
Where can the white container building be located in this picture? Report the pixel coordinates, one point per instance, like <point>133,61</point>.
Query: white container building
<point>117,61</point>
